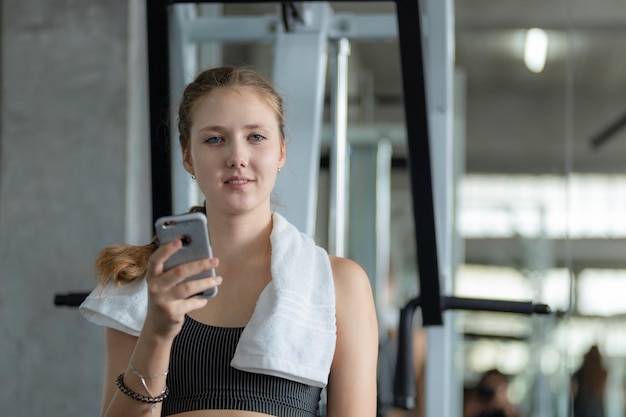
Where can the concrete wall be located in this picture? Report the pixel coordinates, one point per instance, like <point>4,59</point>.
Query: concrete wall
<point>63,181</point>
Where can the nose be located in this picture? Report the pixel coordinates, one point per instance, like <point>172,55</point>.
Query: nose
<point>238,155</point>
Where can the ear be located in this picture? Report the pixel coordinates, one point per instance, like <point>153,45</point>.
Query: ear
<point>187,162</point>
<point>283,154</point>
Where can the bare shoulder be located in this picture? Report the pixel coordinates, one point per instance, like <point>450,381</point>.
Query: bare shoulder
<point>347,272</point>
<point>351,280</point>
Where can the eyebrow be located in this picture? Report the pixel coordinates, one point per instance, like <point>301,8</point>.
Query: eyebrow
<point>219,128</point>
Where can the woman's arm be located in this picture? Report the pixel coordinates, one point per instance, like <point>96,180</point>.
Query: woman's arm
<point>144,361</point>
<point>118,348</point>
<point>352,382</point>
<point>148,358</point>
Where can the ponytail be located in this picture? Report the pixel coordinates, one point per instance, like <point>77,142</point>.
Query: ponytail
<point>125,263</point>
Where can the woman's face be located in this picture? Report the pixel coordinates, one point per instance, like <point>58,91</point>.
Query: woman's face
<point>235,149</point>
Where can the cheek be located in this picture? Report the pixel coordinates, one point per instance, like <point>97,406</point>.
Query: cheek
<point>271,160</point>
<point>204,158</point>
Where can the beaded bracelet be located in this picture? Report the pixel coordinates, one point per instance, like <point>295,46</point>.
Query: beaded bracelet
<point>138,397</point>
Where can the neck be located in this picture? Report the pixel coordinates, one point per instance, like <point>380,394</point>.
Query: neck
<point>240,237</point>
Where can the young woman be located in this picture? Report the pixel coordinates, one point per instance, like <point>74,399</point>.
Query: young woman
<point>289,319</point>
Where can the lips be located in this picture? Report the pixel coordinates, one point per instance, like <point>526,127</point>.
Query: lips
<point>237,180</point>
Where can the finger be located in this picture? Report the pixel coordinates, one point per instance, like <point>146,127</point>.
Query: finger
<point>158,258</point>
<point>195,303</point>
<point>181,272</point>
<point>188,289</point>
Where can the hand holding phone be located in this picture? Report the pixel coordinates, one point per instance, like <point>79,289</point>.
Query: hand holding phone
<point>195,239</point>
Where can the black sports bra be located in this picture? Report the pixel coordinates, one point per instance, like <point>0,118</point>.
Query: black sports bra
<point>201,378</point>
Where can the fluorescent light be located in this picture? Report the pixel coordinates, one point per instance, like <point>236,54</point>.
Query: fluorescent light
<point>535,49</point>
<point>600,291</point>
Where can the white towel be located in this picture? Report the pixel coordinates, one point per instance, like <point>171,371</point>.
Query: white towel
<point>292,332</point>
<point>120,306</point>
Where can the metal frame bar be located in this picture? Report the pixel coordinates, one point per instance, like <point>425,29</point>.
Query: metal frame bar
<point>337,227</point>
<point>159,105</point>
<point>404,377</point>
<point>262,28</point>
<point>302,54</point>
<point>183,64</point>
<point>416,111</point>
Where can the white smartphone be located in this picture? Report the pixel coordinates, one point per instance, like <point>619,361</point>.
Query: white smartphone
<point>196,243</point>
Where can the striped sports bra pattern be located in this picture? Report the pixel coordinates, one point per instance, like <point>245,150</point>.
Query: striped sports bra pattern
<point>201,378</point>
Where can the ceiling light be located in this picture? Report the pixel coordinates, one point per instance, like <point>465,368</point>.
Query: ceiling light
<point>535,49</point>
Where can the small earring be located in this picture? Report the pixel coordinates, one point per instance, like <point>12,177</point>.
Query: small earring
<point>193,177</point>
<point>278,169</point>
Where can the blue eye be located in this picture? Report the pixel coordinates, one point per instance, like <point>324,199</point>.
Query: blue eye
<point>213,139</point>
<point>257,138</point>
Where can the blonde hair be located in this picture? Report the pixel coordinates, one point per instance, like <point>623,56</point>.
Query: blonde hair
<point>230,77</point>
<point>123,263</point>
